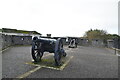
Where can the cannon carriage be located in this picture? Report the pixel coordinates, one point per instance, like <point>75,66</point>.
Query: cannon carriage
<point>73,44</point>
<point>41,45</point>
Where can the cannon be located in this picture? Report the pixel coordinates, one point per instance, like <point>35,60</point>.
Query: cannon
<point>73,43</point>
<point>41,45</point>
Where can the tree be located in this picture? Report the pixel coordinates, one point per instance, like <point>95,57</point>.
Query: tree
<point>96,34</point>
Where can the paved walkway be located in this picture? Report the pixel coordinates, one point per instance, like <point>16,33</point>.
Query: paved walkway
<point>87,62</point>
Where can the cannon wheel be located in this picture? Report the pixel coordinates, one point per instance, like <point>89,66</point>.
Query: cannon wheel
<point>58,54</point>
<point>64,54</point>
<point>36,54</point>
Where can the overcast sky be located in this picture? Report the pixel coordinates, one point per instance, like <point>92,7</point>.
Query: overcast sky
<point>60,17</point>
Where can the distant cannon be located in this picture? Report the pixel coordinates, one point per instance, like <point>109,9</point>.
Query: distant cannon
<point>73,44</point>
<point>39,46</point>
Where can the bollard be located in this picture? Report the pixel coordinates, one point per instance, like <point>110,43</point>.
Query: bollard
<point>115,51</point>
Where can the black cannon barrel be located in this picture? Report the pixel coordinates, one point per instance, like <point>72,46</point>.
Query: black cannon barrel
<point>44,40</point>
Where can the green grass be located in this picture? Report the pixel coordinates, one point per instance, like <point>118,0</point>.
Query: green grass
<point>8,30</point>
<point>0,30</point>
<point>49,62</point>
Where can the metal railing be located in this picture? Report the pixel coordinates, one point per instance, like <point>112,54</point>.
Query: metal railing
<point>117,51</point>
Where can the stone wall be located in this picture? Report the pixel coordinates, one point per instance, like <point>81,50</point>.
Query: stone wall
<point>1,41</point>
<point>6,41</point>
<point>10,40</point>
<point>97,43</point>
<point>110,43</point>
<point>21,40</point>
<point>83,42</point>
<point>113,43</point>
<point>117,43</point>
<point>86,42</point>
